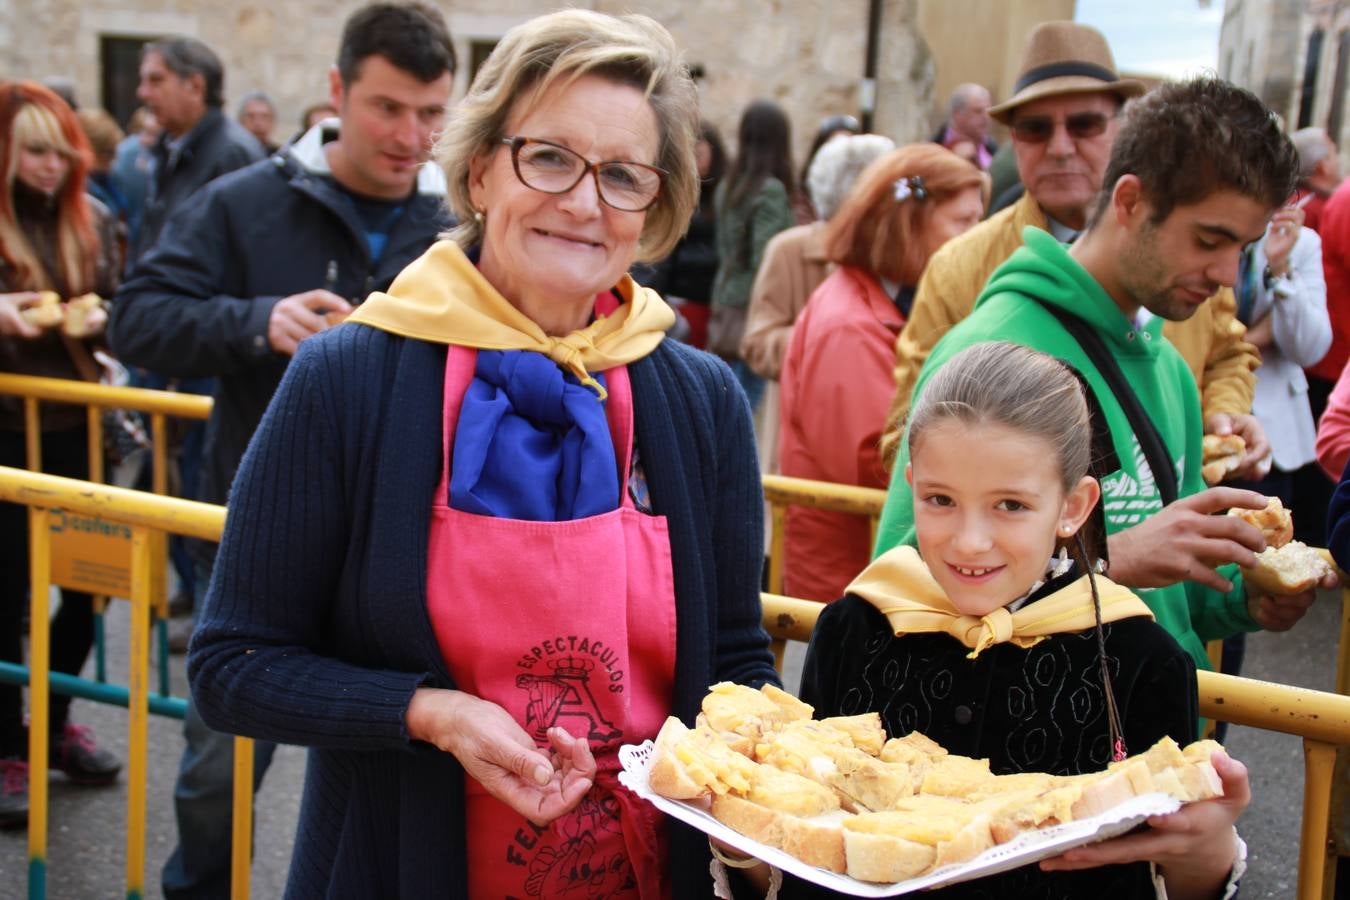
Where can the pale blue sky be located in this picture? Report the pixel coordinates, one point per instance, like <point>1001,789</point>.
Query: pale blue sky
<point>1158,37</point>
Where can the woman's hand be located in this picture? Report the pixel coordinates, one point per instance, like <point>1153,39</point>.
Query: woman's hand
<point>12,322</point>
<point>1195,847</point>
<point>499,755</point>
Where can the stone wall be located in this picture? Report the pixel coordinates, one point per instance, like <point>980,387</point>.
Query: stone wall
<point>1264,46</point>
<point>806,54</point>
<point>980,41</point>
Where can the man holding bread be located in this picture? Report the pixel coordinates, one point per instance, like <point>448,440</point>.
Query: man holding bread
<point>262,259</point>
<point>1062,120</point>
<point>1161,239</point>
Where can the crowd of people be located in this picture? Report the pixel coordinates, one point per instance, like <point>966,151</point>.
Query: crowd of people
<point>508,517</point>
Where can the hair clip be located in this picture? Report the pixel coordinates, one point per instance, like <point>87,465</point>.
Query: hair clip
<point>912,186</point>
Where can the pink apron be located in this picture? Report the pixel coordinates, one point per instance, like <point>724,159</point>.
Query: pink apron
<point>560,623</point>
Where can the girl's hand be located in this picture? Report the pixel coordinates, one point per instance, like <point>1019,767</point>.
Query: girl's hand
<point>1195,847</point>
<point>12,323</point>
<point>499,755</point>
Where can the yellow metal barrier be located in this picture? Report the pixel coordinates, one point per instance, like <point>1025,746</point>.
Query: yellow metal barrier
<point>97,398</point>
<point>149,517</point>
<point>1321,719</point>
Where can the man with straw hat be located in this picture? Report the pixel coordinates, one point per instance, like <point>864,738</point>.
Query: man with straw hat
<point>1062,121</point>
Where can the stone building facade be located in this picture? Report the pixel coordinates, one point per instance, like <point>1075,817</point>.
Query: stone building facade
<point>806,54</point>
<point>1295,55</point>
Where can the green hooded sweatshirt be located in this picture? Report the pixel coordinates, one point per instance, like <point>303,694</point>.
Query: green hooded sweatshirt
<point>1005,311</point>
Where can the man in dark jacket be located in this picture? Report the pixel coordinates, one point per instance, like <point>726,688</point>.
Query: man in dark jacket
<point>262,259</point>
<point>181,83</point>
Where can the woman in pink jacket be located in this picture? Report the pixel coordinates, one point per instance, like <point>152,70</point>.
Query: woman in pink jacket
<point>836,377</point>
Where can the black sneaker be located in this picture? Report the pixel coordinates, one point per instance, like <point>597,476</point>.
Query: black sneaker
<point>13,793</point>
<point>84,762</point>
<point>180,606</point>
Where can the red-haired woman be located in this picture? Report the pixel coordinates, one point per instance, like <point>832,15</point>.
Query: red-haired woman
<point>53,237</point>
<point>836,380</point>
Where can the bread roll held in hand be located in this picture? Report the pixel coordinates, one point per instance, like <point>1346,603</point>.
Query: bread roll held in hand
<point>46,312</point>
<point>1221,455</point>
<point>84,316</point>
<point>1286,566</point>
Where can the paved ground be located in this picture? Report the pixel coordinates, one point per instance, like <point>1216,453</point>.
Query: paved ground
<point>87,849</point>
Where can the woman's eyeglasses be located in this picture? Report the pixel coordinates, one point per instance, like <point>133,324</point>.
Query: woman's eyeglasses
<point>1039,129</point>
<point>553,169</point>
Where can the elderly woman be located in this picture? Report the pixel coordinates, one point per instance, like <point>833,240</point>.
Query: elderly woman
<point>836,378</point>
<point>795,262</point>
<point>495,526</point>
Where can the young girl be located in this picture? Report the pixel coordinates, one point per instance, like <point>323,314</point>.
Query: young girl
<point>999,637</point>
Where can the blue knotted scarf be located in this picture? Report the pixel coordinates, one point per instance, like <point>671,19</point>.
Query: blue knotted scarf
<point>531,443</point>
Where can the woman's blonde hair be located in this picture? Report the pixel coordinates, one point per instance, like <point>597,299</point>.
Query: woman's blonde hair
<point>557,49</point>
<point>31,115</point>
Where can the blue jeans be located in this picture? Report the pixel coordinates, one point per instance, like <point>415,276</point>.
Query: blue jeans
<point>751,383</point>
<point>189,466</point>
<point>199,867</point>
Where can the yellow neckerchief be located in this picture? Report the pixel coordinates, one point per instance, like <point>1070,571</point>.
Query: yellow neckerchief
<point>899,584</point>
<point>442,298</point>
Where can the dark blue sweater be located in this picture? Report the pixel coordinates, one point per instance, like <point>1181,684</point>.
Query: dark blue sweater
<point>1338,522</point>
<point>315,629</point>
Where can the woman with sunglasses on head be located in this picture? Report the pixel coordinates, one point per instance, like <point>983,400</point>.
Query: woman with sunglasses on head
<point>496,525</point>
<point>54,238</point>
<point>836,378</point>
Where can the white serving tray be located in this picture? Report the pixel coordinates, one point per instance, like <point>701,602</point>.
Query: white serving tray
<point>1028,847</point>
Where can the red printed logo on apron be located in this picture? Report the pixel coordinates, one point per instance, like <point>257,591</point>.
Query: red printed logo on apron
<point>568,624</point>
<point>561,694</point>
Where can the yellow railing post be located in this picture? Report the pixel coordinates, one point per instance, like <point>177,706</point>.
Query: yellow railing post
<point>1319,762</point>
<point>241,827</point>
<point>138,705</point>
<point>32,433</point>
<point>39,693</point>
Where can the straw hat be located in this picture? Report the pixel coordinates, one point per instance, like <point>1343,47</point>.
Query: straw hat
<point>1065,58</point>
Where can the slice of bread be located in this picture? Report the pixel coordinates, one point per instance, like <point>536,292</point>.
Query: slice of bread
<point>46,312</point>
<point>866,730</point>
<point>878,844</point>
<point>1221,455</point>
<point>826,755</point>
<point>690,763</point>
<point>956,776</point>
<point>1275,523</point>
<point>78,313</point>
<point>745,711</point>
<point>912,748</point>
<point>816,840</point>
<point>1291,569</point>
<point>883,856</point>
<point>789,793</point>
<point>668,776</point>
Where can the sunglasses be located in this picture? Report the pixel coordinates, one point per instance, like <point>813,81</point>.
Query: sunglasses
<point>1039,129</point>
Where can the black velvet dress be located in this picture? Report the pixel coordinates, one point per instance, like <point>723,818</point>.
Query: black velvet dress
<point>1040,709</point>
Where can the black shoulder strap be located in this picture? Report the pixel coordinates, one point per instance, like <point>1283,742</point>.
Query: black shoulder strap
<point>1150,441</point>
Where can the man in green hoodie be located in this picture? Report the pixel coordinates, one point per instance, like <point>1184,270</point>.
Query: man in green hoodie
<point>1165,234</point>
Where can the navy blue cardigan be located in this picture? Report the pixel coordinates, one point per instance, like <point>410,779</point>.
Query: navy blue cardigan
<point>315,630</point>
